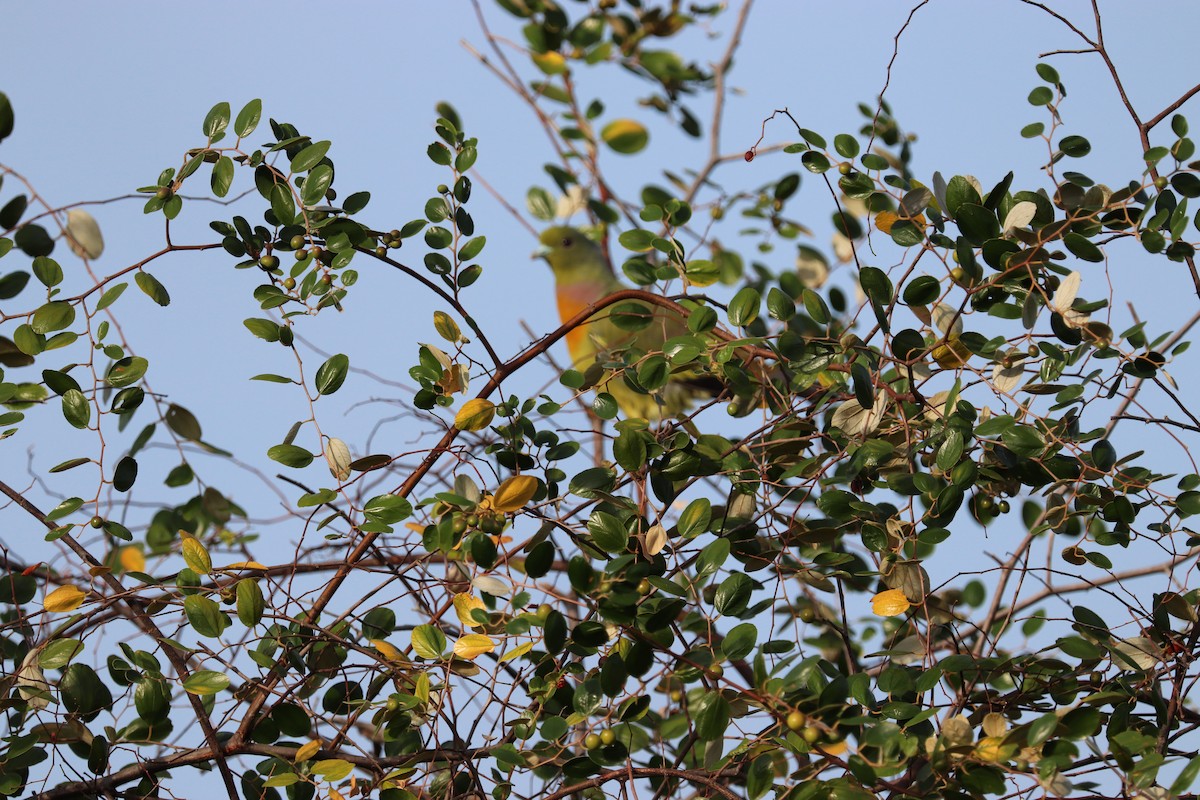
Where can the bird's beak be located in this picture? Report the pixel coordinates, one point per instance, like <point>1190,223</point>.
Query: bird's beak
<point>541,252</point>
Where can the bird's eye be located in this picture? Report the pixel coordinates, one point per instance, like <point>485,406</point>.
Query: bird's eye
<point>567,242</point>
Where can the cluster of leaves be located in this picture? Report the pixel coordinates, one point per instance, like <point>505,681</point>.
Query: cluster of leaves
<point>692,611</point>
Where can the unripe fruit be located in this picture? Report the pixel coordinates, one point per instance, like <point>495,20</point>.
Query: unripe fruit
<point>1004,507</point>
<point>442,188</point>
<point>676,696</point>
<point>163,192</point>
<point>716,671</point>
<point>807,615</point>
<point>1160,182</point>
<point>297,242</point>
<point>330,195</point>
<point>96,522</point>
<point>810,735</point>
<point>796,720</point>
<point>845,168</point>
<point>644,587</point>
<point>381,251</point>
<point>268,262</point>
<point>289,283</point>
<point>608,736</point>
<point>592,741</point>
<point>301,254</point>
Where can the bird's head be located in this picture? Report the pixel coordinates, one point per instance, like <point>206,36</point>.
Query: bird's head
<point>569,251</point>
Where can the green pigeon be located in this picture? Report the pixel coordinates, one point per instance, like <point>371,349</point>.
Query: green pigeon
<point>582,276</point>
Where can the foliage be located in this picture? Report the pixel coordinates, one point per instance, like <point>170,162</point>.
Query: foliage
<point>791,601</point>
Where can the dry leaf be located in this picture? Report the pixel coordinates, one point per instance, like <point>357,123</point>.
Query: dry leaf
<point>1020,215</point>
<point>31,681</point>
<point>475,415</point>
<point>1005,379</point>
<point>83,234</point>
<point>473,645</point>
<point>131,559</point>
<point>387,649</point>
<point>890,603</point>
<point>855,420</point>
<point>464,604</point>
<point>514,493</point>
<point>337,456</point>
<point>492,585</point>
<point>654,540</point>
<point>64,598</point>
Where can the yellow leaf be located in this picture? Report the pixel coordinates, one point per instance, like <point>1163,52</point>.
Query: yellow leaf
<point>473,645</point>
<point>516,652</point>
<point>64,598</point>
<point>307,751</point>
<point>446,327</point>
<point>993,749</point>
<point>245,565</point>
<point>951,354</point>
<point>464,604</point>
<point>890,603</point>
<point>475,415</point>
<point>387,650</point>
<point>655,540</point>
<point>195,555</point>
<point>551,63</point>
<point>884,221</point>
<point>131,559</point>
<point>514,493</point>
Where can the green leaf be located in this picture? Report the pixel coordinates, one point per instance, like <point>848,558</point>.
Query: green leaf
<point>712,718</point>
<point>744,307</point>
<point>126,371</point>
<point>110,296</point>
<point>283,205</point>
<point>388,508</point>
<point>740,641</point>
<point>428,642</point>
<point>204,615</point>
<point>1082,248</point>
<point>316,184</point>
<point>608,532</point>
<point>248,118</point>
<point>310,156</point>
<point>695,518</point>
<point>205,682</point>
<point>733,595</point>
<point>216,121</point>
<point>845,145</point>
<point>250,602</point>
<point>6,119</point>
<point>58,653</point>
<point>47,270</point>
<point>625,136</point>
<point>53,316</point>
<point>332,374</point>
<point>222,176</point>
<point>290,455</point>
<point>153,289</point>
<point>76,408</point>
<point>183,422</point>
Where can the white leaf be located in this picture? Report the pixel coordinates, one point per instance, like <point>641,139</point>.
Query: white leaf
<point>812,269</point>
<point>571,203</point>
<point>31,680</point>
<point>655,540</point>
<point>855,420</point>
<point>1057,785</point>
<point>492,585</point>
<point>1064,296</point>
<point>337,456</point>
<point>1140,650</point>
<point>947,319</point>
<point>1005,379</point>
<point>842,248</point>
<point>83,234</point>
<point>1019,216</point>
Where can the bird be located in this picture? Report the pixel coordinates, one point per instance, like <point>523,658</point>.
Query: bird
<point>583,276</point>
